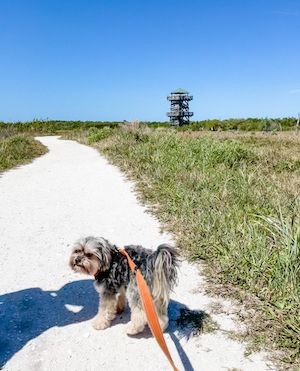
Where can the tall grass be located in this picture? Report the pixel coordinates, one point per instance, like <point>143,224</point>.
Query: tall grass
<point>227,204</point>
<point>17,149</point>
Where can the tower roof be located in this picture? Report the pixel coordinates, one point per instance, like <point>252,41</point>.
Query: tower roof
<point>179,91</point>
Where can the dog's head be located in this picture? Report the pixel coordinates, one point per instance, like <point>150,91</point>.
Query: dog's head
<point>91,255</point>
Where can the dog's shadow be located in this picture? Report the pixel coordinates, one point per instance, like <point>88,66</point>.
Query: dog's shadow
<point>26,314</point>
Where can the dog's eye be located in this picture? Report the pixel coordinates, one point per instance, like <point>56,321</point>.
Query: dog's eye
<point>77,251</point>
<point>88,255</point>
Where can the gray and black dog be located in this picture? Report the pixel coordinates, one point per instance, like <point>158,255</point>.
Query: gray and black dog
<point>113,280</point>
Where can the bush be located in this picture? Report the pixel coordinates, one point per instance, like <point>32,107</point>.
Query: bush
<point>95,134</point>
<point>18,150</point>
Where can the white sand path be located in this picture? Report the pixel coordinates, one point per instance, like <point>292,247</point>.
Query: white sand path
<point>46,310</point>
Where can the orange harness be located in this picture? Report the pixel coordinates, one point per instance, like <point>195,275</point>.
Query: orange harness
<point>149,308</point>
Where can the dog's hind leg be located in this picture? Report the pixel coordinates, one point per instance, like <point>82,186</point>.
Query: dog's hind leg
<point>137,322</point>
<point>121,300</point>
<point>162,313</point>
<point>138,319</point>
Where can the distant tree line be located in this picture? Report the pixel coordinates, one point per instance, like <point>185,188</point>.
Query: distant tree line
<point>244,124</point>
<point>54,126</point>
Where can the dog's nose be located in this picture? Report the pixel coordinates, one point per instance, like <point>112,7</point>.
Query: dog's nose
<point>78,259</point>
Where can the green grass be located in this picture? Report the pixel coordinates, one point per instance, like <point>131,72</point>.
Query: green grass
<point>230,203</point>
<point>17,150</point>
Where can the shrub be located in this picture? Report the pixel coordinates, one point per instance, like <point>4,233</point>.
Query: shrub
<point>95,135</point>
<point>18,150</point>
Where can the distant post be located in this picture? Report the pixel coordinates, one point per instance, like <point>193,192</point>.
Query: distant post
<point>179,113</point>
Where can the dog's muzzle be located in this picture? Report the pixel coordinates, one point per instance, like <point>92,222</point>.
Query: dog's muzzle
<point>78,260</point>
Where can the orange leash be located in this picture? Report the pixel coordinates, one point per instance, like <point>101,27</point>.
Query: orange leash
<point>149,308</point>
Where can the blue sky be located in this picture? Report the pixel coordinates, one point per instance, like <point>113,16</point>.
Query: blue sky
<point>118,59</point>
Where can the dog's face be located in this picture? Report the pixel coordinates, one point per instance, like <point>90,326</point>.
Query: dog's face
<point>90,256</point>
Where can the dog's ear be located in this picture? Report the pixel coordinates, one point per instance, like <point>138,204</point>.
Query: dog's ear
<point>101,248</point>
<point>103,245</point>
<point>106,250</point>
<point>102,242</point>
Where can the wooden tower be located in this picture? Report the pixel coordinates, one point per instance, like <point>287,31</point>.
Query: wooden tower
<point>179,113</point>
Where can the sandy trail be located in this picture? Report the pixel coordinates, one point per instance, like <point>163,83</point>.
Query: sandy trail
<point>45,309</point>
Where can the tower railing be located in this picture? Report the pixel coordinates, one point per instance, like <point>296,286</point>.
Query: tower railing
<point>180,113</point>
<point>180,97</point>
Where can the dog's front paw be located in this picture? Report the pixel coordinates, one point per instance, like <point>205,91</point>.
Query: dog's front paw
<point>100,323</point>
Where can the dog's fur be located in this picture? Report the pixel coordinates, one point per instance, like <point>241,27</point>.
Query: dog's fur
<point>114,281</point>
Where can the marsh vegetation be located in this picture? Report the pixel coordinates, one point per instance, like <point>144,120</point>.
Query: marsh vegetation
<point>230,198</point>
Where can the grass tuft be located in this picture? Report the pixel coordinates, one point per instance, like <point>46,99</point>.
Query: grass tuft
<point>196,320</point>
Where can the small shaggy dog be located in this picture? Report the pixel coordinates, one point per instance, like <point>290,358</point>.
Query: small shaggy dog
<point>114,280</point>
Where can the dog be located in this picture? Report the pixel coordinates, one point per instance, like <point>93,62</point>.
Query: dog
<point>114,281</point>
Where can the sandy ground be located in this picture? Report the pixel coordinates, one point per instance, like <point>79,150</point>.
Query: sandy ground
<point>45,309</point>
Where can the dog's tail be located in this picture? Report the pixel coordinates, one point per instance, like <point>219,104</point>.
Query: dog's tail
<point>164,264</point>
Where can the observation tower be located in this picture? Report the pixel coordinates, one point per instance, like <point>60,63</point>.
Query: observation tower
<point>179,113</point>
